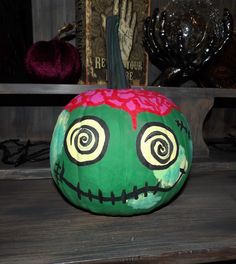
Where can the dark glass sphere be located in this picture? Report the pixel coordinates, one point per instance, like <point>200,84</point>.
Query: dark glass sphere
<point>193,22</point>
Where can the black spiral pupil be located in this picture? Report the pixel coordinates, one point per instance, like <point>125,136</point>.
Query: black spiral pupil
<point>84,137</point>
<point>160,147</point>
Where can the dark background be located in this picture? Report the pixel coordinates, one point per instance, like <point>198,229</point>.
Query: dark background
<point>24,22</point>
<point>16,37</point>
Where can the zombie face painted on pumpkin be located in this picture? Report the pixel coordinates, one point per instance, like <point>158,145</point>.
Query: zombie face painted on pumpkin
<point>120,152</point>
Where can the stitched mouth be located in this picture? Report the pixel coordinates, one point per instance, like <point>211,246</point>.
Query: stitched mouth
<point>134,194</point>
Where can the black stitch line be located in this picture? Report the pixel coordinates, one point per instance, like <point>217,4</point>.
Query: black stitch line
<point>124,196</point>
<point>70,185</point>
<point>180,124</point>
<point>113,198</point>
<point>59,175</point>
<point>135,191</point>
<point>182,127</point>
<point>90,196</point>
<point>100,196</point>
<point>78,191</point>
<point>146,190</point>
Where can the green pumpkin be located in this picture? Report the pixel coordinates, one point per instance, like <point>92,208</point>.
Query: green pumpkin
<point>120,152</point>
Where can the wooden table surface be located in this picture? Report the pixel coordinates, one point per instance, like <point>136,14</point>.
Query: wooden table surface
<point>38,226</point>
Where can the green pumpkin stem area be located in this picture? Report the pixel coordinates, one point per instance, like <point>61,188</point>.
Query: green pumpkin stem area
<point>115,69</point>
<point>101,163</point>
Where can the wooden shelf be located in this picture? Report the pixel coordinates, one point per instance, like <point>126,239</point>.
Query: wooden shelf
<point>38,226</point>
<point>46,89</point>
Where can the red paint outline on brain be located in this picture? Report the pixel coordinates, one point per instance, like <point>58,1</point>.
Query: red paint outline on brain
<point>130,100</point>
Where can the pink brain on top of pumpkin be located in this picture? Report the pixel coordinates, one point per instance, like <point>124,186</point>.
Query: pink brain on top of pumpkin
<point>130,100</point>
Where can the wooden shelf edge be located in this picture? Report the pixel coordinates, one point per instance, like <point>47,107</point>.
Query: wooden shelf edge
<point>188,256</point>
<point>44,89</point>
<point>25,174</point>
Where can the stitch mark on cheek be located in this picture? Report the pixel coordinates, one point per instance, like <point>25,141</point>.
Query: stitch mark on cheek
<point>59,171</point>
<point>182,127</point>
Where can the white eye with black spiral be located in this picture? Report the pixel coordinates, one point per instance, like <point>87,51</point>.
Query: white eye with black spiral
<point>157,146</point>
<point>86,140</point>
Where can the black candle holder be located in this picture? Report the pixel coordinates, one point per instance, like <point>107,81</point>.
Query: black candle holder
<point>184,37</point>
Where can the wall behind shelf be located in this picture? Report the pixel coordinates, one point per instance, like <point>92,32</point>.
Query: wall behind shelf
<point>49,15</point>
<point>28,122</point>
<point>30,116</point>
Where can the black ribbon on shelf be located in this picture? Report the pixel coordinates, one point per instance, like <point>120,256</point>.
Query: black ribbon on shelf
<point>16,152</point>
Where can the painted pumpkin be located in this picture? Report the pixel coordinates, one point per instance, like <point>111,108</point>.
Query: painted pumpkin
<point>120,152</point>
